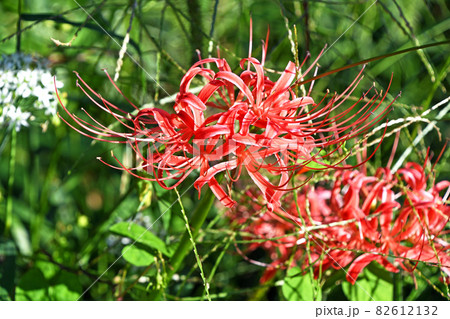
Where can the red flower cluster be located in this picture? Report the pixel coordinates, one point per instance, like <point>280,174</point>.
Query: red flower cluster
<point>358,220</point>
<point>236,122</point>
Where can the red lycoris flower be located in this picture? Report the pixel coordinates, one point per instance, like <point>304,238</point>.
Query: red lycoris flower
<point>358,221</point>
<point>237,122</point>
<point>406,230</point>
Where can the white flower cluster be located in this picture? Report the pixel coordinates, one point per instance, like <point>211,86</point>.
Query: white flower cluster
<point>27,90</point>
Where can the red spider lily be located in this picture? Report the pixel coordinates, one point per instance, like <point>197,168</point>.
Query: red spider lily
<point>281,228</point>
<point>269,227</point>
<point>258,126</point>
<point>406,230</point>
<point>358,221</point>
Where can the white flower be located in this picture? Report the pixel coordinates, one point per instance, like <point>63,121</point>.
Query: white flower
<point>45,99</point>
<point>22,77</point>
<point>14,116</point>
<point>23,90</point>
<point>47,81</point>
<point>5,96</point>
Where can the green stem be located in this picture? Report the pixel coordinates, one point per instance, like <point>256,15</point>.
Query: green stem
<point>39,219</point>
<point>12,169</point>
<point>39,17</point>
<point>195,14</point>
<point>398,287</point>
<point>196,222</point>
<point>222,253</point>
<point>191,237</point>
<point>308,242</point>
<point>198,217</point>
<point>300,81</point>
<point>19,25</point>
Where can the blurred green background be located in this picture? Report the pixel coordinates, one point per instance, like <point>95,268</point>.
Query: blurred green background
<point>65,201</point>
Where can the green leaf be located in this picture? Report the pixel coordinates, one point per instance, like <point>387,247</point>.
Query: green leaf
<point>298,287</point>
<point>166,209</point>
<point>141,235</point>
<point>369,285</point>
<point>21,237</point>
<point>49,270</point>
<point>145,194</point>
<point>7,269</point>
<point>314,165</point>
<point>66,287</point>
<point>137,256</point>
<point>4,296</point>
<point>32,286</point>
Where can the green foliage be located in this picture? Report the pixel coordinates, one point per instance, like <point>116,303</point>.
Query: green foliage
<point>73,218</point>
<point>372,284</point>
<point>298,286</point>
<point>141,235</point>
<point>7,269</point>
<point>32,286</point>
<point>65,286</point>
<point>137,256</point>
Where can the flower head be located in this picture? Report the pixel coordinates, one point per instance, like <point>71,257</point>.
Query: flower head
<point>26,90</point>
<point>394,220</point>
<point>238,122</point>
<point>15,116</point>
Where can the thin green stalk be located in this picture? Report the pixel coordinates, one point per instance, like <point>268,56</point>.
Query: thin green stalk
<point>191,237</point>
<point>429,282</point>
<point>300,81</point>
<point>19,25</point>
<point>226,242</point>
<point>398,287</point>
<point>441,76</point>
<point>198,217</point>
<point>308,242</point>
<point>222,253</point>
<point>419,137</point>
<point>12,169</point>
<point>197,220</point>
<point>195,14</point>
<point>157,76</point>
<point>38,221</point>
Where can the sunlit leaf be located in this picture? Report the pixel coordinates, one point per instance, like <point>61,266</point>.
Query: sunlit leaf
<point>137,256</point>
<point>32,286</point>
<point>141,235</point>
<point>369,286</point>
<point>299,287</point>
<point>66,287</point>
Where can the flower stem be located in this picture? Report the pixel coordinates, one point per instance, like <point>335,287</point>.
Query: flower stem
<point>191,237</point>
<point>12,169</point>
<point>314,284</point>
<point>19,25</point>
<point>398,287</point>
<point>197,219</point>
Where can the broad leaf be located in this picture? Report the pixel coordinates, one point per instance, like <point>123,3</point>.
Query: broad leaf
<point>32,286</point>
<point>370,286</point>
<point>298,287</point>
<point>66,287</point>
<point>7,269</point>
<point>137,256</point>
<point>141,235</point>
